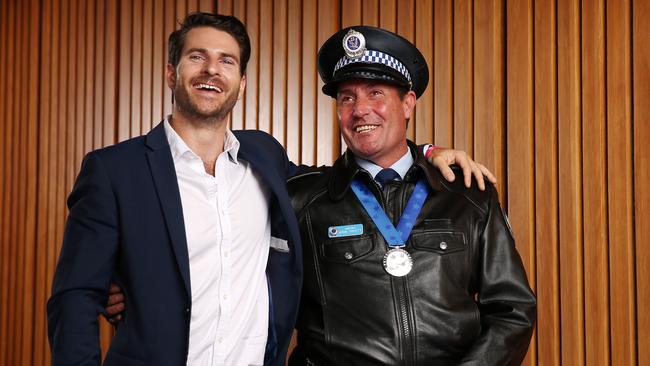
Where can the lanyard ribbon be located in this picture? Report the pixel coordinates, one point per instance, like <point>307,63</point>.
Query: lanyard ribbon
<point>396,238</point>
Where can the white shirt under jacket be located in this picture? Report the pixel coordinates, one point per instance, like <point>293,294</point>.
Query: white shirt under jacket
<point>228,230</point>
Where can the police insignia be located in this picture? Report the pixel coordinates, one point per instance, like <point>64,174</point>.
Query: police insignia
<point>354,44</point>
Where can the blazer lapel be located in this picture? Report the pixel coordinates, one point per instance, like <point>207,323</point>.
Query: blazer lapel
<point>164,177</point>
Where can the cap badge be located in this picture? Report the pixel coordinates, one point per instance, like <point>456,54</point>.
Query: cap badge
<point>354,44</point>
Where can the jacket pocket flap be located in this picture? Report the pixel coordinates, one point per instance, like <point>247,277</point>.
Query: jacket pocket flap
<point>444,242</point>
<point>347,250</point>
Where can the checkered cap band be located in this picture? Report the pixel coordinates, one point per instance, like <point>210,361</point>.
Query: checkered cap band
<point>375,57</point>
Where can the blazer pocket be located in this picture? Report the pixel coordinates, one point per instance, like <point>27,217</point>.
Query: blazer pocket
<point>347,250</point>
<point>441,242</point>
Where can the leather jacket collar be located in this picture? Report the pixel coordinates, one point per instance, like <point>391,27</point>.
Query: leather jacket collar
<point>346,169</point>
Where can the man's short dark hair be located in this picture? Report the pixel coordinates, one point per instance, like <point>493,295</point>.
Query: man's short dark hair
<point>225,23</point>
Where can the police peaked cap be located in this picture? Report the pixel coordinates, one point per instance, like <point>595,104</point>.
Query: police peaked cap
<point>364,52</point>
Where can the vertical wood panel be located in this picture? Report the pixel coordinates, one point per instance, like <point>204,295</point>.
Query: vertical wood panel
<point>443,73</point>
<point>570,147</point>
<point>520,141</point>
<point>463,76</point>
<point>294,80</point>
<point>388,14</point>
<point>21,314</point>
<point>266,77</point>
<point>30,291</point>
<point>147,67</point>
<point>279,92</point>
<point>569,110</point>
<point>546,188</point>
<point>620,183</point>
<point>4,246</point>
<point>43,290</point>
<point>406,29</point>
<point>594,184</point>
<point>423,120</point>
<point>6,184</point>
<point>369,13</point>
<point>126,61</point>
<point>100,76</point>
<point>252,77</point>
<point>641,110</point>
<point>309,83</point>
<point>160,61</point>
<point>136,104</point>
<point>327,130</point>
<point>488,88</point>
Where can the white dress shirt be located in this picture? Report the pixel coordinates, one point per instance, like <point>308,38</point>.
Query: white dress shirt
<point>228,230</point>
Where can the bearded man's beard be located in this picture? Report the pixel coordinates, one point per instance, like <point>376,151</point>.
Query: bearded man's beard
<point>189,108</point>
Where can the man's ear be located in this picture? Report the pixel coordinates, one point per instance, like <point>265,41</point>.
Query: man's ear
<point>170,76</point>
<point>242,86</point>
<point>408,104</point>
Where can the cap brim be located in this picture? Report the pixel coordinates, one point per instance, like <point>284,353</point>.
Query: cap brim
<point>364,72</point>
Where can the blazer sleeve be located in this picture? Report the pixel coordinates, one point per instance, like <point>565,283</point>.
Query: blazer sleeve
<point>506,303</point>
<point>81,280</point>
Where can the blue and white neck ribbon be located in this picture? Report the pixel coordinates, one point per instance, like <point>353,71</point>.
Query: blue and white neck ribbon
<point>395,237</point>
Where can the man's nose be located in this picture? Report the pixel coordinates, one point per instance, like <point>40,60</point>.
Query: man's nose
<point>212,67</point>
<point>361,107</point>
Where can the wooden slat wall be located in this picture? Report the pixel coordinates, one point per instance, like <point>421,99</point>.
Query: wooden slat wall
<point>552,95</point>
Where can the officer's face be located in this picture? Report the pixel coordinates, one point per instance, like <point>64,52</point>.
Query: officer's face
<point>207,81</point>
<point>373,119</point>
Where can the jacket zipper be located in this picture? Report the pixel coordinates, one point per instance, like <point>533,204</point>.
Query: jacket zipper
<point>402,297</point>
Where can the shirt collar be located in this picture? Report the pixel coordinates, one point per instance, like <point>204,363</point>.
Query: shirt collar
<point>401,166</point>
<point>179,148</point>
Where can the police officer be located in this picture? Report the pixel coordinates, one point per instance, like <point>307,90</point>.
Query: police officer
<point>401,267</point>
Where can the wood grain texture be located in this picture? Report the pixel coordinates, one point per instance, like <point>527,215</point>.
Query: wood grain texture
<point>620,182</point>
<point>546,184</point>
<point>423,120</point>
<point>641,127</point>
<point>570,194</point>
<point>595,184</point>
<point>463,76</point>
<point>520,204</point>
<point>551,95</point>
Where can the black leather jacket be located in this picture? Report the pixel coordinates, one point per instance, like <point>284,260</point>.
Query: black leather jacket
<point>466,300</point>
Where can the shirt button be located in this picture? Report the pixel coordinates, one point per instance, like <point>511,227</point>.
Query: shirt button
<point>220,339</point>
<point>225,254</point>
<point>225,297</point>
<point>348,255</point>
<point>187,311</point>
<point>443,245</point>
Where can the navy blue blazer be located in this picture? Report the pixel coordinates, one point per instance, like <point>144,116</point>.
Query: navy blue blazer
<point>126,224</point>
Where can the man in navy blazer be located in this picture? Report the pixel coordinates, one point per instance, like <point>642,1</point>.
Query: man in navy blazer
<point>127,220</point>
<point>126,217</point>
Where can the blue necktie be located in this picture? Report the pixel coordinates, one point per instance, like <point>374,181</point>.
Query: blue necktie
<point>387,175</point>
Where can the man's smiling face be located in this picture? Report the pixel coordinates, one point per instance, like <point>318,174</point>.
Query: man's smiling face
<point>207,81</point>
<point>373,119</point>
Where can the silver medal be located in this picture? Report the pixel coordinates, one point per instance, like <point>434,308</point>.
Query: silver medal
<point>398,262</point>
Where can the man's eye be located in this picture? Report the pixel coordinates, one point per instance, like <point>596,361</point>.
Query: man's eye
<point>196,57</point>
<point>228,61</point>
<point>376,93</point>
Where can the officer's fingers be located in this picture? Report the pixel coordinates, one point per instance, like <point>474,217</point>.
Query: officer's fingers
<point>115,299</point>
<point>466,165</point>
<point>442,164</point>
<point>114,311</point>
<point>114,288</point>
<point>478,174</point>
<point>487,173</point>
